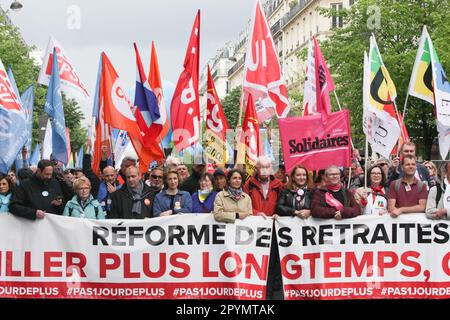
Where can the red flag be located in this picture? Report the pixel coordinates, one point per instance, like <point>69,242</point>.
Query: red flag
<point>118,113</point>
<point>185,107</point>
<point>324,82</point>
<point>250,147</point>
<point>215,118</point>
<point>262,75</point>
<point>154,79</point>
<point>102,138</point>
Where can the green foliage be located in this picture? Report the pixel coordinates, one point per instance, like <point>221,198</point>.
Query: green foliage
<point>397,36</point>
<point>15,52</point>
<point>231,105</point>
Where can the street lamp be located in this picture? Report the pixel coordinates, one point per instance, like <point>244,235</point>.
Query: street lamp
<point>16,6</point>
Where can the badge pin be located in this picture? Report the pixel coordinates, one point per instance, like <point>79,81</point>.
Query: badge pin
<point>45,193</point>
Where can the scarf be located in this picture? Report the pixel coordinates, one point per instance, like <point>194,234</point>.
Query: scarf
<point>235,193</point>
<point>333,202</point>
<point>136,194</point>
<point>203,194</point>
<point>334,188</point>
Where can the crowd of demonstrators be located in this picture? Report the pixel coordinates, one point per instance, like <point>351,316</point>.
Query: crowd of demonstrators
<point>394,187</point>
<point>172,200</point>
<point>83,204</point>
<point>203,199</point>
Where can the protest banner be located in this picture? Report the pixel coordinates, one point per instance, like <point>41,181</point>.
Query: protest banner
<point>368,257</point>
<point>176,257</point>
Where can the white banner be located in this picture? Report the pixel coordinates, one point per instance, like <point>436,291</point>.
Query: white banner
<point>365,257</point>
<point>183,256</point>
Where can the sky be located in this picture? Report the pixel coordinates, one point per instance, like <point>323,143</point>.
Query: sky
<point>85,28</point>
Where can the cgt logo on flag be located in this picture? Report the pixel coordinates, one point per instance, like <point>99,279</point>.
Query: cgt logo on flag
<point>121,102</point>
<point>70,82</point>
<point>8,98</point>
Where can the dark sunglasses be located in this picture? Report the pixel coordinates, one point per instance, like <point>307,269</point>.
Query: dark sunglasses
<point>156,177</point>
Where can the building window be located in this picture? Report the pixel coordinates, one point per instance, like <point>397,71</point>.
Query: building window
<point>351,2</point>
<point>337,22</point>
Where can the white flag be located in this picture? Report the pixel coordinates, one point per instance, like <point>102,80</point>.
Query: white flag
<point>47,146</point>
<point>70,82</point>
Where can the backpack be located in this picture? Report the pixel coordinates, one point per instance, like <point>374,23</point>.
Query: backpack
<point>95,209</point>
<point>438,193</point>
<point>398,183</point>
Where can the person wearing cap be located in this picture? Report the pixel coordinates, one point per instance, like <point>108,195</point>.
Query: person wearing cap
<point>192,184</point>
<point>220,180</point>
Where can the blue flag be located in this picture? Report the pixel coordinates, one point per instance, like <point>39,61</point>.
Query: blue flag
<point>12,123</point>
<point>54,109</point>
<point>27,98</point>
<point>79,163</point>
<point>36,156</point>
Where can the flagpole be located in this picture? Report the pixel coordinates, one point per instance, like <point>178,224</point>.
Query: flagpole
<point>404,107</point>
<point>340,109</point>
<point>365,163</point>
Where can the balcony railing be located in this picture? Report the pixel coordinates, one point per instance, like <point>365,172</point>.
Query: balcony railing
<point>294,11</point>
<point>236,66</point>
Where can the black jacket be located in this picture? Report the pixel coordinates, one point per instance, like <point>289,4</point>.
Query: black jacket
<point>191,184</point>
<point>34,194</point>
<point>89,173</point>
<point>122,204</point>
<point>285,205</point>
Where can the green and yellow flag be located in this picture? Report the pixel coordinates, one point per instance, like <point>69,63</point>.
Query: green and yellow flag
<point>421,83</point>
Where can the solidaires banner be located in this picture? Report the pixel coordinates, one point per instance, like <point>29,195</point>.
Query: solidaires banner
<point>183,256</point>
<point>365,257</point>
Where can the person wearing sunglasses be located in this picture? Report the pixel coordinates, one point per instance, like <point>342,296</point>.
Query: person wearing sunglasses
<point>156,179</point>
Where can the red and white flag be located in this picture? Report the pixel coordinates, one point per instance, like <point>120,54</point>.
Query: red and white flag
<point>154,80</point>
<point>185,107</point>
<point>309,92</point>
<point>324,82</point>
<point>118,113</point>
<point>215,117</point>
<point>216,125</point>
<point>249,148</point>
<point>262,73</point>
<point>70,82</point>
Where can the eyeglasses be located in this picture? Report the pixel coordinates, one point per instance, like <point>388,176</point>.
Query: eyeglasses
<point>156,177</point>
<point>376,173</point>
<point>383,164</point>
